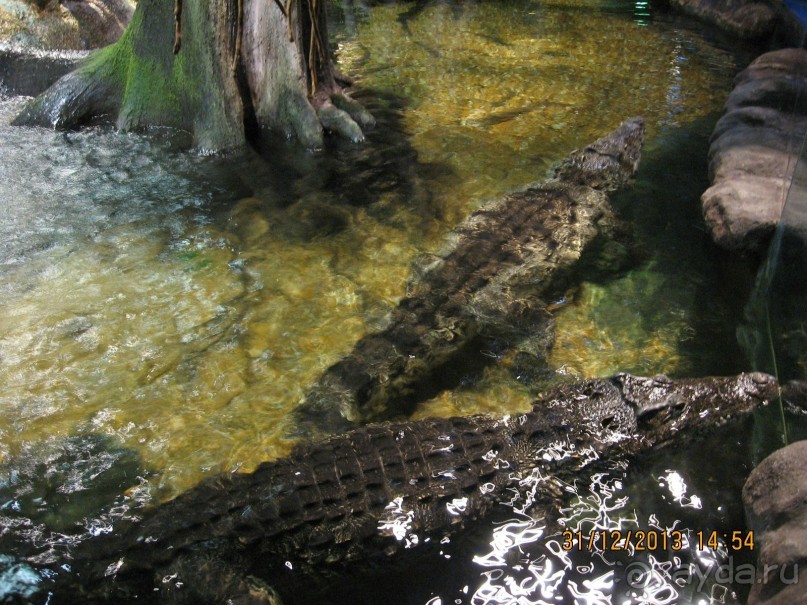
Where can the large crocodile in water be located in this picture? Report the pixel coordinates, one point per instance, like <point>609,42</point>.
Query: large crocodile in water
<point>487,281</point>
<point>383,488</point>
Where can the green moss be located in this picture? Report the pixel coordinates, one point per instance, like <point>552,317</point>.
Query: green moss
<point>117,54</point>
<point>150,97</point>
<point>140,80</point>
<point>184,82</point>
<point>111,63</point>
<point>151,86</point>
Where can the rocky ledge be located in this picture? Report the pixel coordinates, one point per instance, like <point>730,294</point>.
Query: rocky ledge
<point>29,72</point>
<point>775,498</point>
<point>758,21</point>
<point>63,24</point>
<point>754,150</point>
<point>748,20</point>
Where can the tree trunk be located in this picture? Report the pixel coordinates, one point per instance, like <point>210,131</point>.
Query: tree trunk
<point>202,66</point>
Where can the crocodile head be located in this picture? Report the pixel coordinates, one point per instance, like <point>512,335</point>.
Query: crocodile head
<point>664,407</point>
<point>628,409</point>
<point>608,163</point>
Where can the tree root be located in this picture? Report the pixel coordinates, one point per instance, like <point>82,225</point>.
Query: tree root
<point>297,118</point>
<point>341,78</point>
<point>78,98</point>
<point>340,122</point>
<point>339,114</point>
<point>359,114</point>
<point>239,34</point>
<point>177,25</point>
<point>81,97</point>
<point>345,117</point>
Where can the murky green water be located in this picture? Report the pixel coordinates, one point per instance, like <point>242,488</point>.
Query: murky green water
<point>182,305</point>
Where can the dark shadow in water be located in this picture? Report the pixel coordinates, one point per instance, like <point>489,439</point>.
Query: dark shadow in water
<point>321,191</point>
<point>419,6</point>
<point>60,487</point>
<point>664,229</point>
<point>668,228</point>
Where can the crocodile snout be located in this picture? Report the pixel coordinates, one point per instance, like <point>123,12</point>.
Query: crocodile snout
<point>761,384</point>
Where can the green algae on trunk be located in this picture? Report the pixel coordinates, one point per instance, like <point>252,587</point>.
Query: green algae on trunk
<point>148,78</point>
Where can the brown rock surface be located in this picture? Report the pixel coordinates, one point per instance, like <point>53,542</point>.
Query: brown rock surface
<point>775,498</point>
<point>746,19</point>
<point>100,22</point>
<point>754,150</point>
<point>68,25</point>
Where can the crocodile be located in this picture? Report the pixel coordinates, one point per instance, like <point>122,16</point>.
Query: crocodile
<point>383,489</point>
<point>487,281</point>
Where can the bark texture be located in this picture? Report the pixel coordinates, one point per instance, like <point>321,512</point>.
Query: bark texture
<point>201,66</point>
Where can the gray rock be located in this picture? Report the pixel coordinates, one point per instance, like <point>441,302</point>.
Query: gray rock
<point>100,22</point>
<point>746,19</point>
<point>785,62</point>
<point>65,25</point>
<point>754,150</point>
<point>28,72</point>
<point>775,498</point>
<point>741,212</point>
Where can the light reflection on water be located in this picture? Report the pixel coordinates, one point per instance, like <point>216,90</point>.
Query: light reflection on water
<point>532,561</point>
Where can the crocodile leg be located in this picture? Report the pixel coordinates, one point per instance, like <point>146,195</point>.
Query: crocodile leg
<point>206,576</point>
<point>257,592</point>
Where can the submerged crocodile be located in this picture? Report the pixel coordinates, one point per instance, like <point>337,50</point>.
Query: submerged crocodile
<point>488,281</point>
<point>382,488</point>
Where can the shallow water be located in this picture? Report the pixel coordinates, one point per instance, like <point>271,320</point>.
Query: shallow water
<point>181,305</point>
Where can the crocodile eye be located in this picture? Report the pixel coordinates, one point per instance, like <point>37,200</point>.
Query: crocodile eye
<point>663,414</point>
